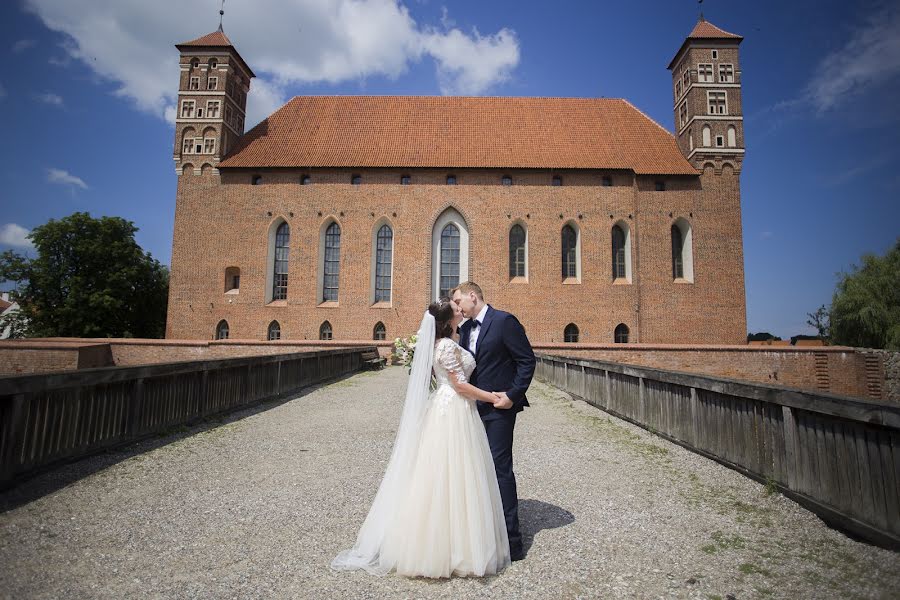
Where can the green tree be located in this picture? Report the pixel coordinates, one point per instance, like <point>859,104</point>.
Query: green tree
<point>820,321</point>
<point>762,336</point>
<point>865,310</point>
<point>89,279</point>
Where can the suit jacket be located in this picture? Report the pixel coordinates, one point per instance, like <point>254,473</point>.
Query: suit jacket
<point>504,360</point>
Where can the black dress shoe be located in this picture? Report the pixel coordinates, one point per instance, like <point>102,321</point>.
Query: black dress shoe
<point>517,556</point>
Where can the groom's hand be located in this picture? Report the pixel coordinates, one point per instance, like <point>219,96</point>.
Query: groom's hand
<point>503,401</point>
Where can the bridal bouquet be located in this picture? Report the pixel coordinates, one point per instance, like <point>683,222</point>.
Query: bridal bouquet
<point>404,350</point>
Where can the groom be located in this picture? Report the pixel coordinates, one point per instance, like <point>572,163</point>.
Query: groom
<point>504,361</point>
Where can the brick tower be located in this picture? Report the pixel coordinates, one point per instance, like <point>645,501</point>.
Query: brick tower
<point>706,83</point>
<point>212,102</point>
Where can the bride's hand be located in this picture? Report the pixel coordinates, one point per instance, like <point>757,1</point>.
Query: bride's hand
<point>503,402</point>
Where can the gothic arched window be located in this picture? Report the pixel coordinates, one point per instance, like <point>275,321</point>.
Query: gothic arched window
<point>682,251</point>
<point>274,332</point>
<point>570,334</point>
<point>621,334</point>
<point>331,263</point>
<point>449,259</point>
<point>384,248</point>
<point>569,252</point>
<point>280,265</point>
<point>380,332</point>
<point>517,254</point>
<point>222,330</point>
<point>325,332</point>
<point>618,252</point>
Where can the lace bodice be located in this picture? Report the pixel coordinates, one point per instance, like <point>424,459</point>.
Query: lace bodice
<point>452,360</point>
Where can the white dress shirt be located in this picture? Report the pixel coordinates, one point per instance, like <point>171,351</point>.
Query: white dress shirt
<point>473,335</point>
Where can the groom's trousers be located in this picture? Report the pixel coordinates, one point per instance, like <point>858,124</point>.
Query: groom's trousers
<point>500,438</point>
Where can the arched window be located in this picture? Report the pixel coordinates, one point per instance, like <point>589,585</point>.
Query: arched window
<point>517,251</point>
<point>195,62</point>
<point>222,330</point>
<point>305,180</point>
<point>618,252</point>
<point>707,136</point>
<point>449,259</point>
<point>449,252</point>
<point>274,332</point>
<point>331,263</point>
<point>405,179</point>
<point>384,249</point>
<point>621,334</point>
<point>691,139</point>
<point>280,265</point>
<point>682,251</point>
<point>213,63</point>
<point>451,179</point>
<point>325,331</point>
<point>256,180</point>
<point>356,179</point>
<point>732,136</point>
<point>569,252</point>
<point>380,332</point>
<point>570,334</point>
<point>506,180</point>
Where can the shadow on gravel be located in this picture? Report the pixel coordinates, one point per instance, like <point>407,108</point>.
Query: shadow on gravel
<point>43,482</point>
<point>535,516</point>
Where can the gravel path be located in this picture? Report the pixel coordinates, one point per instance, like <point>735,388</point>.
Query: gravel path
<point>256,506</point>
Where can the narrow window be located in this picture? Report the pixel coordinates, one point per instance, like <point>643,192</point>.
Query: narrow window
<point>682,114</point>
<point>198,145</point>
<point>506,180</point>
<point>383,259</point>
<point>686,79</point>
<point>212,83</point>
<point>720,141</point>
<point>660,186</point>
<point>274,332</point>
<point>621,334</point>
<point>691,139</point>
<point>557,180</point>
<point>325,331</point>
<point>232,279</point>
<point>707,142</point>
<point>732,136</point>
<point>404,180</point>
<point>282,248</point>
<point>618,253</point>
<point>356,179</point>
<point>449,259</point>
<point>569,252</point>
<point>517,251</point>
<point>332,263</point>
<point>222,330</point>
<point>195,63</point>
<point>256,180</point>
<point>195,83</point>
<point>380,332</point>
<point>305,180</point>
<point>677,253</point>
<point>213,63</point>
<point>715,54</point>
<point>451,179</point>
<point>607,181</point>
<point>570,334</point>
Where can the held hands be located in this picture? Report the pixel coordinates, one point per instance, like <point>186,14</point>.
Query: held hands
<point>502,401</point>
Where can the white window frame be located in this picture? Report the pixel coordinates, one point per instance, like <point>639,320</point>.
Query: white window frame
<point>686,79</point>
<point>728,75</point>
<point>188,106</point>
<point>210,104</point>
<point>715,55</point>
<point>720,141</point>
<point>723,106</point>
<point>194,83</point>
<point>448,216</point>
<point>187,146</point>
<point>212,83</point>
<point>209,145</point>
<point>682,114</point>
<point>198,146</point>
<point>704,76</point>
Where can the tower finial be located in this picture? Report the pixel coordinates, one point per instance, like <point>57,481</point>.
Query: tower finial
<point>699,5</point>
<point>222,15</point>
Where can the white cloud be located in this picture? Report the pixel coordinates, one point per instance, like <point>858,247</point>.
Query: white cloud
<point>869,58</point>
<point>63,177</point>
<point>15,236</point>
<point>50,98</point>
<point>23,45</point>
<point>286,42</point>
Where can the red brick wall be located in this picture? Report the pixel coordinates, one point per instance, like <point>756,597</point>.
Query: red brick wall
<point>223,221</point>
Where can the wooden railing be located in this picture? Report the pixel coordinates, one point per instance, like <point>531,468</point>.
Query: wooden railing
<point>838,456</point>
<point>47,419</point>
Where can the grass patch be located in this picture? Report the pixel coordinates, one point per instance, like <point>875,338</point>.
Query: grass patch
<point>750,569</point>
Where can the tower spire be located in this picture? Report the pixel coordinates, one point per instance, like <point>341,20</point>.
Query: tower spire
<point>699,6</point>
<point>221,15</point>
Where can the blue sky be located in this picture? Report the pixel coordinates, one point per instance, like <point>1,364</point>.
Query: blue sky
<point>87,89</point>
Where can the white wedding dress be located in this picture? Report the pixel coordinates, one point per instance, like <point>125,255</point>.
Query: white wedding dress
<point>448,517</point>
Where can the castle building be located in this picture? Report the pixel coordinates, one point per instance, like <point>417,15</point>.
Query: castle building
<point>342,217</point>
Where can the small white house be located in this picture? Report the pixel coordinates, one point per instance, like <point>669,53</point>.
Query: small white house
<point>7,307</point>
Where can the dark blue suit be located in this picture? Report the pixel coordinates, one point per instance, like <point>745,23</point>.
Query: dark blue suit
<point>504,363</point>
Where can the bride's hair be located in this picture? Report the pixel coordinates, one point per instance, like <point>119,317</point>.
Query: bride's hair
<point>442,311</point>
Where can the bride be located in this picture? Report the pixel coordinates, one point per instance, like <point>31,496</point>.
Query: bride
<point>438,510</point>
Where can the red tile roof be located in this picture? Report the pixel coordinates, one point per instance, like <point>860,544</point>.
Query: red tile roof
<point>704,30</point>
<point>216,38</point>
<point>460,132</point>
<point>4,304</point>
